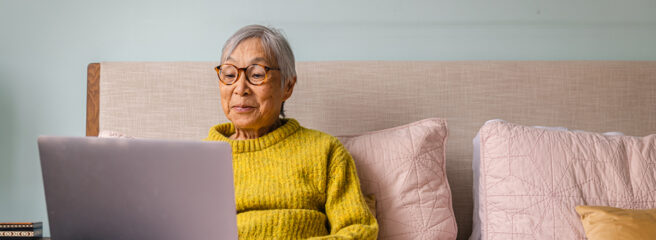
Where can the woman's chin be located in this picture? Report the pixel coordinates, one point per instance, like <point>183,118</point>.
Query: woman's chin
<point>244,123</point>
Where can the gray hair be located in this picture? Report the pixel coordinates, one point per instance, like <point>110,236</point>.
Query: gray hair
<point>275,46</point>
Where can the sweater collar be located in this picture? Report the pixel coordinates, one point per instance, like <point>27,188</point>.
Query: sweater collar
<point>221,132</point>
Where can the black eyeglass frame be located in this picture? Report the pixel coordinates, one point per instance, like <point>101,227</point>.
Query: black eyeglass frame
<point>240,70</point>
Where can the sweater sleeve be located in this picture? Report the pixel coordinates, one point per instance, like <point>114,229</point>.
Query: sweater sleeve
<point>347,212</point>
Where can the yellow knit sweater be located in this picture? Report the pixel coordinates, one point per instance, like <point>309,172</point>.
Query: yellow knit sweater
<point>296,183</point>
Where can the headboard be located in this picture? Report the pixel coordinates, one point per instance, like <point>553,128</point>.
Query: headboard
<point>181,100</point>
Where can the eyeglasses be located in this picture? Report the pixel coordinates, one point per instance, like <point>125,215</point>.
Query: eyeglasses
<point>256,74</point>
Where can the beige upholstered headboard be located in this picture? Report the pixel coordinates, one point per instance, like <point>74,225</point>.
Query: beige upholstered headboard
<point>181,100</point>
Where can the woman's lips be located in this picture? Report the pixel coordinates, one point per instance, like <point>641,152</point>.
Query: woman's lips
<point>242,109</point>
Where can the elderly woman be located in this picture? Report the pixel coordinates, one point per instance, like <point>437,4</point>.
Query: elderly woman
<point>290,182</point>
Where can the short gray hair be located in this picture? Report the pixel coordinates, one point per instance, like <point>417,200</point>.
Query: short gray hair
<point>275,47</point>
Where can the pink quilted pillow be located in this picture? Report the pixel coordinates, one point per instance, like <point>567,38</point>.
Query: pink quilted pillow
<point>531,179</point>
<point>404,167</point>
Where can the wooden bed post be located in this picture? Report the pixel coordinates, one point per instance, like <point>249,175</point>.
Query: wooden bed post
<point>93,98</point>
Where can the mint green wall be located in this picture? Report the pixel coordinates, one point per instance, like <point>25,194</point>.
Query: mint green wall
<point>45,46</point>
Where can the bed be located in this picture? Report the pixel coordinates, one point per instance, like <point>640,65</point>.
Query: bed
<point>180,100</point>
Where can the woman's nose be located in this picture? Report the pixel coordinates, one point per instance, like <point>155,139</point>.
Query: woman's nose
<point>241,85</point>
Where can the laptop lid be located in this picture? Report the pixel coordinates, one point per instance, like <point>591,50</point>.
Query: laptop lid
<point>116,188</point>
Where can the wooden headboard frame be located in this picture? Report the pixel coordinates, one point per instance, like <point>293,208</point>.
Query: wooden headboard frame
<point>93,99</point>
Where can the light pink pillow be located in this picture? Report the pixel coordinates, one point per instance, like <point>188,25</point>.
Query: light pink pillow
<point>404,167</point>
<point>531,179</point>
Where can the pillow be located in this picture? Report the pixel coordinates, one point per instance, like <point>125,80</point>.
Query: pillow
<point>532,178</point>
<point>476,162</point>
<point>405,168</point>
<point>605,223</point>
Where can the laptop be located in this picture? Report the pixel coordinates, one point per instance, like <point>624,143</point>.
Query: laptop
<point>118,188</point>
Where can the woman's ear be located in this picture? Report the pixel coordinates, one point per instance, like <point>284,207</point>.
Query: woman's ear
<point>289,88</point>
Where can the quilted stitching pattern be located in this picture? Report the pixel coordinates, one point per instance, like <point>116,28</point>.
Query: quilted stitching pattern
<point>404,168</point>
<point>532,179</point>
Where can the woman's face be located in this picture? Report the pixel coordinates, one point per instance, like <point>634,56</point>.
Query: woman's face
<point>247,106</point>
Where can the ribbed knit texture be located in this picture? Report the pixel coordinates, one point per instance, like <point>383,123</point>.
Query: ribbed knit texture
<point>296,183</point>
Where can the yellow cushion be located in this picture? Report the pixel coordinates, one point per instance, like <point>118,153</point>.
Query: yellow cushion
<point>602,223</point>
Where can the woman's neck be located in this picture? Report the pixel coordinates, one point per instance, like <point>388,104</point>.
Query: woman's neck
<point>244,134</point>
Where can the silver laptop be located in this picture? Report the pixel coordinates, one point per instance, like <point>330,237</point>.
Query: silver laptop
<point>117,188</point>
